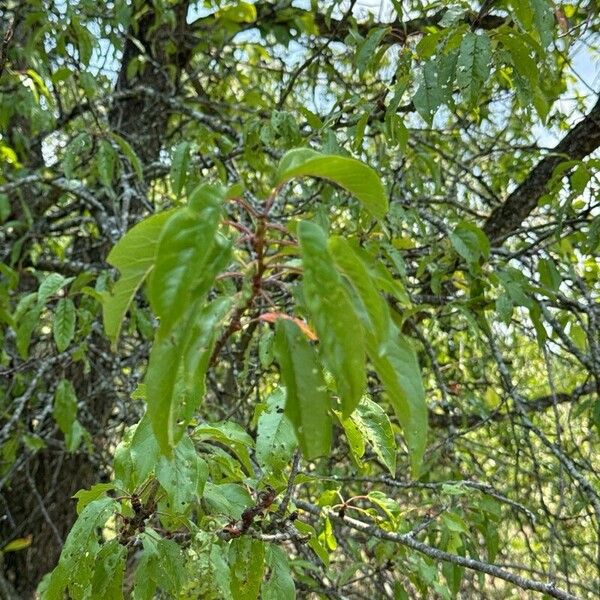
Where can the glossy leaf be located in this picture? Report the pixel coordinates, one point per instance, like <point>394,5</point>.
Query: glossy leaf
<point>352,175</point>
<point>341,338</point>
<point>184,246</point>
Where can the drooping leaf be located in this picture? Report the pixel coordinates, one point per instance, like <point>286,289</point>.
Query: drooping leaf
<point>280,584</point>
<point>470,242</point>
<point>374,424</point>
<point>351,174</point>
<point>429,95</point>
<point>133,255</point>
<point>179,164</point>
<point>397,367</point>
<point>247,559</point>
<point>107,582</point>
<point>341,337</point>
<point>176,369</point>
<point>307,402</point>
<point>105,162</point>
<point>275,439</point>
<point>184,246</point>
<point>543,20</point>
<point>182,476</point>
<point>63,326</point>
<point>473,65</point>
<point>129,154</point>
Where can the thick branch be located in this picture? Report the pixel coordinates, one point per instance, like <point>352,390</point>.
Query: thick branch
<point>581,141</point>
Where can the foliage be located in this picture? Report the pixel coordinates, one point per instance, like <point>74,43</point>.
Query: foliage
<point>295,301</point>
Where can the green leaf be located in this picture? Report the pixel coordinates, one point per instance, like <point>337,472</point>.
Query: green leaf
<point>160,564</point>
<point>397,367</point>
<point>129,154</point>
<point>367,49</point>
<point>84,497</point>
<point>393,359</point>
<point>105,162</point>
<point>77,559</point>
<point>280,585</point>
<point>65,406</point>
<point>337,324</point>
<point>179,164</point>
<point>275,439</point>
<point>247,561</point>
<point>183,249</point>
<point>133,255</point>
<point>307,401</point>
<point>351,174</point>
<point>473,66</point>
<point>176,369</point>
<point>429,95</point>
<point>349,262</point>
<point>63,326</point>
<point>374,424</point>
<point>229,499</point>
<point>144,450</point>
<point>182,476</point>
<point>51,284</point>
<point>543,20</point>
<point>107,582</point>
<point>549,275</point>
<point>470,242</point>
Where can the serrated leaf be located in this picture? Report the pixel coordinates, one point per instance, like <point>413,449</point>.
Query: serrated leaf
<point>470,242</point>
<point>351,174</point>
<point>473,65</point>
<point>275,439</point>
<point>229,499</point>
<point>65,406</point>
<point>543,19</point>
<point>429,95</point>
<point>179,165</point>
<point>133,255</point>
<point>341,338</point>
<point>77,559</point>
<point>84,497</point>
<point>307,402</point>
<point>51,284</point>
<point>182,476</point>
<point>107,582</point>
<point>63,326</point>
<point>374,424</point>
<point>280,584</point>
<point>247,560</point>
